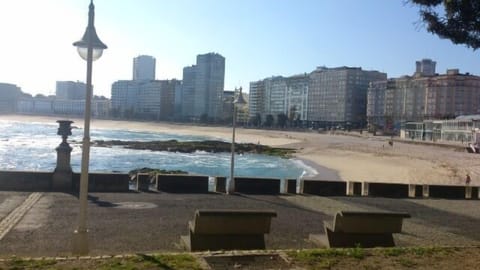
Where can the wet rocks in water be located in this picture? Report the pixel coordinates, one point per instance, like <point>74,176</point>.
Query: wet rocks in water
<point>192,146</point>
<point>152,171</point>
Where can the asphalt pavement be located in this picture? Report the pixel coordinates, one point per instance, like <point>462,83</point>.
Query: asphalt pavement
<point>134,222</point>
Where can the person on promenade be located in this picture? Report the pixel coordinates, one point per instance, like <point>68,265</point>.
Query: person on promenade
<point>467,179</point>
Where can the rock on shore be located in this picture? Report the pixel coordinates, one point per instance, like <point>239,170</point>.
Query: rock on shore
<point>211,146</point>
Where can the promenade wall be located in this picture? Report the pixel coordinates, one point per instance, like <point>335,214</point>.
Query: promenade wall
<point>25,181</point>
<point>42,181</point>
<point>30,181</point>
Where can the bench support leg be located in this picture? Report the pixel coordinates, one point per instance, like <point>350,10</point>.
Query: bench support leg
<point>202,242</point>
<point>364,240</point>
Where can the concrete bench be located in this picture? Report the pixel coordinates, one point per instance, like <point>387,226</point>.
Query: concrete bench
<point>367,229</point>
<point>228,229</point>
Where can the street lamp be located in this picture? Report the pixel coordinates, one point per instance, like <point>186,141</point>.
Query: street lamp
<point>90,48</point>
<point>239,100</point>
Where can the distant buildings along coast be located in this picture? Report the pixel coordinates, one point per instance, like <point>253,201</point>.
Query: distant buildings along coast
<point>340,97</point>
<point>69,99</point>
<point>324,97</point>
<point>198,96</point>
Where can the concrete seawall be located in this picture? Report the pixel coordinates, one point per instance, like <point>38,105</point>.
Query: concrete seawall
<point>25,181</point>
<point>116,182</point>
<point>42,181</point>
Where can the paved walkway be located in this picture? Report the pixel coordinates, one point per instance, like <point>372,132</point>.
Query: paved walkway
<point>9,221</point>
<point>146,222</point>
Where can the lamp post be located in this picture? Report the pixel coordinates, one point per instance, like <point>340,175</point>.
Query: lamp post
<point>239,100</point>
<point>90,48</point>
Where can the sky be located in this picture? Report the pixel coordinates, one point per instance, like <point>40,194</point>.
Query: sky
<point>258,38</point>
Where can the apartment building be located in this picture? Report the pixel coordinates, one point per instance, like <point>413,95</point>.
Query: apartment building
<point>451,94</point>
<point>297,97</point>
<point>209,86</point>
<point>52,106</point>
<point>124,96</point>
<point>149,98</point>
<point>275,96</point>
<point>338,96</point>
<point>35,105</point>
<point>144,68</point>
<point>279,95</point>
<point>256,99</point>
<point>188,92</point>
<point>144,99</point>
<point>9,94</point>
<point>376,109</point>
<point>242,109</point>
<point>202,88</point>
<point>425,67</point>
<point>70,90</point>
<point>425,95</point>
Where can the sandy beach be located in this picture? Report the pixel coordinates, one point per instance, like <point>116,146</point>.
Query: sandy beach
<point>353,157</point>
<point>117,220</point>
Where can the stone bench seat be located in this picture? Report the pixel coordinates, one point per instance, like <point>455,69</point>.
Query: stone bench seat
<point>228,229</point>
<point>366,229</point>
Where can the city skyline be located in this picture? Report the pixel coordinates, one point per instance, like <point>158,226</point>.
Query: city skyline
<point>258,39</point>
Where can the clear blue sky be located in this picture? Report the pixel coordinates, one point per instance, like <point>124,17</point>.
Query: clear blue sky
<point>258,38</point>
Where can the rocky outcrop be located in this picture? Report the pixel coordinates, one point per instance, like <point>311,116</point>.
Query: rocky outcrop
<point>192,146</point>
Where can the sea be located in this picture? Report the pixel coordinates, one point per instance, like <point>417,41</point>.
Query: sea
<point>31,146</point>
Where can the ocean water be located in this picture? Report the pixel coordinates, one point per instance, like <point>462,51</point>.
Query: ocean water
<point>31,146</point>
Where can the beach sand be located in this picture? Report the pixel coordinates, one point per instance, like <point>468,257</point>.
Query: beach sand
<point>353,157</point>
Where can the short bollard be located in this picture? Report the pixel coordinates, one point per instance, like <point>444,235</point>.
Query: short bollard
<point>411,190</point>
<point>283,186</point>
<point>299,186</point>
<point>350,188</point>
<point>468,192</point>
<point>143,182</point>
<point>365,187</point>
<point>426,191</point>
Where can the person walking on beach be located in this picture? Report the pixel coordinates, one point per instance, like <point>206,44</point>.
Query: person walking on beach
<point>390,142</point>
<point>467,179</point>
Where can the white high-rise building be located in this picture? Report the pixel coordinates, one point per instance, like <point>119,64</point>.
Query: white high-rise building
<point>144,99</point>
<point>202,89</point>
<point>144,68</point>
<point>124,98</point>
<point>256,102</point>
<point>9,94</point>
<point>188,92</point>
<point>209,84</point>
<point>297,97</point>
<point>280,95</point>
<point>276,95</point>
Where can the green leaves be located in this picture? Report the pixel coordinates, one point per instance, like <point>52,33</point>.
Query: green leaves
<point>459,21</point>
